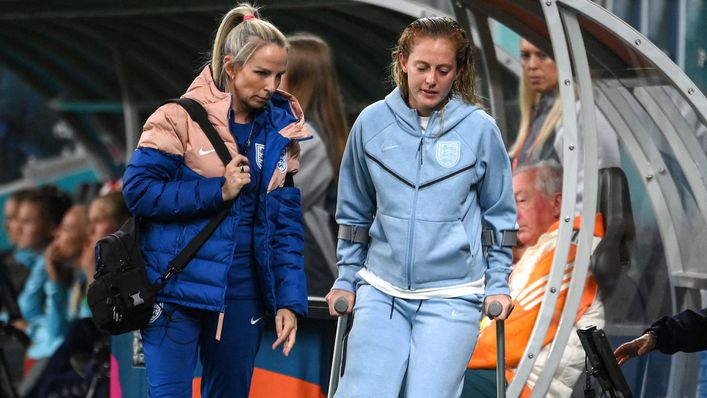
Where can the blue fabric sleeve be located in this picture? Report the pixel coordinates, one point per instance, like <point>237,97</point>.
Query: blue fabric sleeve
<point>150,188</point>
<point>288,247</point>
<point>498,210</point>
<point>56,309</point>
<point>356,206</point>
<point>31,298</point>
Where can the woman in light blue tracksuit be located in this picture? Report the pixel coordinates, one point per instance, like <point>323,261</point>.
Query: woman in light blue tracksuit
<point>424,171</point>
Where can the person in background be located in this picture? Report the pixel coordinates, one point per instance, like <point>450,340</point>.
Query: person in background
<point>62,255</point>
<point>538,194</point>
<point>311,78</point>
<point>252,264</point>
<point>423,171</point>
<point>14,271</point>
<point>105,215</point>
<point>541,133</point>
<point>42,302</point>
<point>13,262</point>
<point>686,332</point>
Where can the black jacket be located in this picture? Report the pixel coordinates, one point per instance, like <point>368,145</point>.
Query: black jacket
<point>686,331</point>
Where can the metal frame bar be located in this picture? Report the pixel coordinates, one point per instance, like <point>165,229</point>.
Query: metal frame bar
<point>488,56</point>
<point>589,204</point>
<point>687,152</point>
<point>643,46</point>
<point>658,201</point>
<point>569,182</point>
<point>412,8</point>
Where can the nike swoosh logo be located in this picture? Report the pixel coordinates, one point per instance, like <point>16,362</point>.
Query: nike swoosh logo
<point>388,147</point>
<point>254,321</point>
<point>202,152</point>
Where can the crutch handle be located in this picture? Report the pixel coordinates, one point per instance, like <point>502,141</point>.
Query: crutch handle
<point>495,309</point>
<point>341,305</point>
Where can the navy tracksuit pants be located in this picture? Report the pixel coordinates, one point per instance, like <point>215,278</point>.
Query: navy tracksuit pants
<point>176,335</point>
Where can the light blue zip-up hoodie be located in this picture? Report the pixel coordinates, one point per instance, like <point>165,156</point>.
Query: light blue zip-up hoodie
<point>425,198</point>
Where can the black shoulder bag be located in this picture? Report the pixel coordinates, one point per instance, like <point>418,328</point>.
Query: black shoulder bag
<point>121,297</point>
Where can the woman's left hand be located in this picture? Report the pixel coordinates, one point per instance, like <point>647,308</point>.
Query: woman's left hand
<point>286,329</point>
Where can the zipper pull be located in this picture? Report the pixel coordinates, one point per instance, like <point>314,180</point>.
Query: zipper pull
<point>419,150</point>
<point>219,327</point>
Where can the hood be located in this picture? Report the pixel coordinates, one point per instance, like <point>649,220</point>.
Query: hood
<point>204,90</point>
<point>289,118</point>
<point>440,122</point>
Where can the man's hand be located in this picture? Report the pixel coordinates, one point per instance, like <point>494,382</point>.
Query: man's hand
<point>286,329</point>
<point>505,301</point>
<point>334,295</point>
<point>640,346</point>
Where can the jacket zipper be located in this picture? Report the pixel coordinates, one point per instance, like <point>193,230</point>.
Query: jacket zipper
<point>410,257</point>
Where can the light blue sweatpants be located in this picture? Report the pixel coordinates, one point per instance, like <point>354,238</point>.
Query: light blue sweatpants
<point>427,342</point>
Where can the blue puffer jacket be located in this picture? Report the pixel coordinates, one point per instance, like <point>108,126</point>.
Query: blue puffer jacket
<point>173,182</point>
<point>425,198</point>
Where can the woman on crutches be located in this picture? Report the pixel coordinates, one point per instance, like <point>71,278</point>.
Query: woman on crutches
<point>424,173</point>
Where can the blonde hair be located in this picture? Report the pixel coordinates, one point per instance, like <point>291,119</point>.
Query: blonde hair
<point>114,204</point>
<point>438,27</point>
<point>311,78</point>
<point>528,98</point>
<point>241,33</point>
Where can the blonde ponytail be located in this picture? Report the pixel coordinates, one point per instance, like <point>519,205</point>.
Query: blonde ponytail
<point>240,34</point>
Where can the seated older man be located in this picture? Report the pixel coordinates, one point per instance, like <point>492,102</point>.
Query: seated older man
<point>538,194</point>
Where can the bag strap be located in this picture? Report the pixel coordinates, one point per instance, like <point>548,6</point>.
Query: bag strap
<point>199,115</point>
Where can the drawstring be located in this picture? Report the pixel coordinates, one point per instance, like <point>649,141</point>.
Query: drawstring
<point>392,306</point>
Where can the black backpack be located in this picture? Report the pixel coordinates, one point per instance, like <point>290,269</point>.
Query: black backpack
<point>121,297</point>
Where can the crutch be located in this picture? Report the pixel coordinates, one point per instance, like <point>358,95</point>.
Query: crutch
<point>340,306</point>
<point>495,309</point>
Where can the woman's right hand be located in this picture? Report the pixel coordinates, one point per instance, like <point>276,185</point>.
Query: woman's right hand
<point>334,295</point>
<point>236,176</point>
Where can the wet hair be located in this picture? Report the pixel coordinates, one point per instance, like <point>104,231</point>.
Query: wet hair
<point>547,176</point>
<point>464,86</point>
<point>311,78</point>
<point>241,33</point>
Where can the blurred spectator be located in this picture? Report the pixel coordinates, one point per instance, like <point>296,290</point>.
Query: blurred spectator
<point>42,301</point>
<point>105,214</point>
<point>12,264</point>
<point>538,195</point>
<point>63,254</point>
<point>541,133</point>
<point>311,78</point>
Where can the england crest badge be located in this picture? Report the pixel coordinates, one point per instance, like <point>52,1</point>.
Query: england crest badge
<point>447,153</point>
